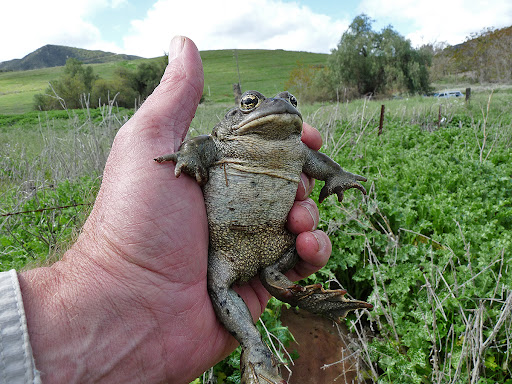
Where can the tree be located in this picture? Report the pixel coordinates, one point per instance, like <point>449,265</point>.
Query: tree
<point>69,90</point>
<point>378,62</point>
<point>305,82</point>
<point>117,90</point>
<point>147,76</point>
<point>79,83</point>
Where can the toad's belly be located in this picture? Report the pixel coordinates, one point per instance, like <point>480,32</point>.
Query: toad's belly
<point>247,213</point>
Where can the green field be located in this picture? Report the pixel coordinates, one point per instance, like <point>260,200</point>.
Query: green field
<point>430,247</point>
<point>264,70</point>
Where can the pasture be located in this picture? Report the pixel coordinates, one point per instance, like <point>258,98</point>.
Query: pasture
<point>430,247</point>
<point>264,70</point>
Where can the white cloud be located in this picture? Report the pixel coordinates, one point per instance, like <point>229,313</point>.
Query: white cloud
<point>264,24</point>
<point>27,25</point>
<point>268,24</point>
<point>440,20</point>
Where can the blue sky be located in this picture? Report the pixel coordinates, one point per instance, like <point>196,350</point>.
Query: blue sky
<point>145,27</point>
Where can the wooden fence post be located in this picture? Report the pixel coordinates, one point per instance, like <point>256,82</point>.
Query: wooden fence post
<point>381,123</point>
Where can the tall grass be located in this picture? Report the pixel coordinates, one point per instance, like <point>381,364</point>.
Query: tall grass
<point>430,247</point>
<point>50,172</point>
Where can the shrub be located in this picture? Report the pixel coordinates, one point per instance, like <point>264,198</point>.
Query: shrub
<point>376,62</point>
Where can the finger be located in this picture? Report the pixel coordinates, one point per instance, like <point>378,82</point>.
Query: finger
<point>303,216</point>
<point>314,249</point>
<point>311,137</point>
<point>305,187</point>
<point>166,114</point>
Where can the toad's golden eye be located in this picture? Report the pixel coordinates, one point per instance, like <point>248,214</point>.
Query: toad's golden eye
<point>293,100</point>
<point>249,102</point>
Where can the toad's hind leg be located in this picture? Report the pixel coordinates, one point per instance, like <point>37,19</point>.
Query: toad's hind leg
<point>313,298</point>
<point>257,364</point>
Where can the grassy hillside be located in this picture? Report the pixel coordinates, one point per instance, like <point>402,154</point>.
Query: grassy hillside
<point>264,70</point>
<point>56,55</point>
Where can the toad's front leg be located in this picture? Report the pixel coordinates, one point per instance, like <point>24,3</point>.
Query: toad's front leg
<point>321,167</point>
<point>258,365</point>
<point>194,157</point>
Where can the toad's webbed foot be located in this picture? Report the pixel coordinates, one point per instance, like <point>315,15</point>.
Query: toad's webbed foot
<point>337,180</point>
<point>259,367</point>
<point>330,303</point>
<point>339,183</point>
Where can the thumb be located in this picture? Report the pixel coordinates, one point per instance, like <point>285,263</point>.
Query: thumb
<point>168,111</point>
<point>157,128</point>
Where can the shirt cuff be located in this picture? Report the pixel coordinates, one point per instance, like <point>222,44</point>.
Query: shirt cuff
<point>16,360</point>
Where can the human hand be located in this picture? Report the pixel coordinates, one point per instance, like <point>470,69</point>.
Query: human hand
<point>128,302</point>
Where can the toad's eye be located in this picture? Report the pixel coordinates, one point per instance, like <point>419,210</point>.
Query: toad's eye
<point>249,102</point>
<point>293,100</point>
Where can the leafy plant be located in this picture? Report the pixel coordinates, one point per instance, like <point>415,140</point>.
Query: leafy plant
<point>378,61</point>
<point>430,247</point>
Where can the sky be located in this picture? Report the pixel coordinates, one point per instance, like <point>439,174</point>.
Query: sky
<point>145,27</point>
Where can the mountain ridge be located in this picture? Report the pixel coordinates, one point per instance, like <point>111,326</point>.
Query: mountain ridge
<point>51,55</point>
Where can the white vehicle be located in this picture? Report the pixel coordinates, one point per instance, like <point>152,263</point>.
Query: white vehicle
<point>449,94</point>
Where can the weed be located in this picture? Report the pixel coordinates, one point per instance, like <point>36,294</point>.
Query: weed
<point>430,246</point>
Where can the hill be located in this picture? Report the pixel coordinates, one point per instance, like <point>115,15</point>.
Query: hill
<point>264,70</point>
<point>56,56</point>
<point>484,57</point>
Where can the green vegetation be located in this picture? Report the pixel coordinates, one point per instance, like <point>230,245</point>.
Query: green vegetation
<point>365,62</point>
<point>80,87</point>
<point>264,70</point>
<point>377,62</point>
<point>430,246</point>
<point>50,169</point>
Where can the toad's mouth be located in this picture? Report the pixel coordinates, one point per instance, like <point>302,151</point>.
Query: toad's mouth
<point>284,123</point>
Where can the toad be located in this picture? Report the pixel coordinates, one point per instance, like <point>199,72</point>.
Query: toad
<point>249,169</point>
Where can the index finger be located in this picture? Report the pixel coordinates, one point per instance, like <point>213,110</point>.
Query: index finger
<point>311,137</point>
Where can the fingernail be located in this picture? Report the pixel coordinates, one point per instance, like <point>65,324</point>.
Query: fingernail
<point>308,205</point>
<point>322,245</point>
<point>303,182</point>
<point>307,185</point>
<point>176,46</point>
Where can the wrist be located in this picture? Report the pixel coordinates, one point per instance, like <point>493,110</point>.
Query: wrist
<point>77,323</point>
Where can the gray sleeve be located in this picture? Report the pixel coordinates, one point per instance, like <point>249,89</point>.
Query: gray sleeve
<point>16,360</point>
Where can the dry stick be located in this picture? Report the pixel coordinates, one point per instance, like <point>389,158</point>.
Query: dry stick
<point>276,353</point>
<point>387,315</point>
<point>364,343</point>
<point>461,359</point>
<point>343,359</point>
<point>499,273</point>
<point>505,312</point>
<point>449,353</point>
<point>485,116</point>
<point>44,209</point>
